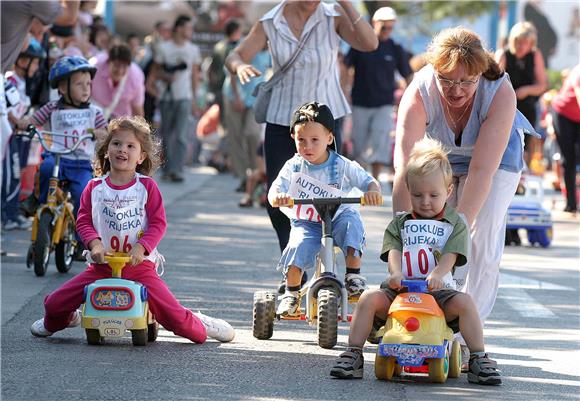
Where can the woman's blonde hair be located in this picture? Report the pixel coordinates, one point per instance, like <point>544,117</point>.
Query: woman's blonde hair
<point>522,30</point>
<point>149,144</point>
<point>428,156</point>
<point>454,46</point>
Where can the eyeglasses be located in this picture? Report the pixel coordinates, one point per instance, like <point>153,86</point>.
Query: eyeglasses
<point>449,83</point>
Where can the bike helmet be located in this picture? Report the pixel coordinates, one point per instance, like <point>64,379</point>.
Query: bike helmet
<point>66,66</point>
<point>34,50</point>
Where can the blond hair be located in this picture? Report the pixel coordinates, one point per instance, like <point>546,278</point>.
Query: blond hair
<point>428,156</point>
<point>522,30</point>
<point>149,144</point>
<point>454,46</point>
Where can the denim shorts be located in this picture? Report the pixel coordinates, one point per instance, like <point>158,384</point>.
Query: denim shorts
<point>305,239</point>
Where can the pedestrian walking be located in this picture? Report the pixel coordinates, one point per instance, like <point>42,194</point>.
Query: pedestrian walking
<point>311,32</point>
<point>126,159</point>
<point>373,92</point>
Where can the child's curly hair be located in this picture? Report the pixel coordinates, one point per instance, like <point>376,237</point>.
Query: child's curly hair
<point>149,144</point>
<point>427,156</point>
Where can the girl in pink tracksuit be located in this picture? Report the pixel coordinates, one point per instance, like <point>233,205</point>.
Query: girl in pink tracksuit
<point>122,211</point>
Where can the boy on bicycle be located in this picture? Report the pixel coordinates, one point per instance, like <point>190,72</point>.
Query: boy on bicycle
<point>317,171</point>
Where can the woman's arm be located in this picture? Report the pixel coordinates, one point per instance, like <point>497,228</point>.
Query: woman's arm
<point>238,61</point>
<point>489,148</point>
<point>356,31</point>
<point>411,123</point>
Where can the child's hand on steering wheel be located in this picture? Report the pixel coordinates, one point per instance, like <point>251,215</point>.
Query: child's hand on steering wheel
<point>137,254</point>
<point>282,199</point>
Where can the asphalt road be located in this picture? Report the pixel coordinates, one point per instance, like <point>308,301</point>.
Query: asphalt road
<point>217,256</point>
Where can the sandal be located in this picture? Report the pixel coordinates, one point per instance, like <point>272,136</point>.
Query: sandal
<point>349,365</point>
<point>483,370</point>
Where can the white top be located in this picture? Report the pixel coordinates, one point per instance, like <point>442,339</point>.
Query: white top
<point>314,76</point>
<point>168,53</point>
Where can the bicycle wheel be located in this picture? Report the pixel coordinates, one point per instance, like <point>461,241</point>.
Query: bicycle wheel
<point>327,318</point>
<point>43,244</point>
<point>65,249</point>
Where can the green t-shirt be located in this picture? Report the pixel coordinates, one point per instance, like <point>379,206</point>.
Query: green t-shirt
<point>458,241</point>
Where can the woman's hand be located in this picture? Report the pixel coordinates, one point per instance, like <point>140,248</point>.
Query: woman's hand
<point>373,198</point>
<point>522,92</point>
<point>137,254</point>
<point>245,72</point>
<point>281,199</point>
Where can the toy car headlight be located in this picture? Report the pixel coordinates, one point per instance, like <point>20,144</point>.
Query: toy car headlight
<point>412,324</point>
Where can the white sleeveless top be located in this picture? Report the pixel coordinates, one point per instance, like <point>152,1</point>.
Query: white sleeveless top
<point>314,75</point>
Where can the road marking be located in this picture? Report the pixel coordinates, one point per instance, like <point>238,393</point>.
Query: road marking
<point>511,281</point>
<point>526,305</point>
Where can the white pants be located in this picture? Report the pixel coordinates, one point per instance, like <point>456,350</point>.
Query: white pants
<point>480,276</point>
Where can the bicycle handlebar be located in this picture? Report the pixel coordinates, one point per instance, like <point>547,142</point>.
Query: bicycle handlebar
<point>325,201</point>
<point>33,131</point>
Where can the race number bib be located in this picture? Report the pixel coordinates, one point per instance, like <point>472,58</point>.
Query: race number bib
<point>303,186</point>
<point>423,242</point>
<point>73,122</point>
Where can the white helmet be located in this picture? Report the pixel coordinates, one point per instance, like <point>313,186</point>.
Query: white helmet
<point>385,14</point>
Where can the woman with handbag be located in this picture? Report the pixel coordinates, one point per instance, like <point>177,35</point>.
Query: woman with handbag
<point>304,39</point>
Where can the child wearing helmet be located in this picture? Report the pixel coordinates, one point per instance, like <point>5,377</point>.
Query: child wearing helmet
<point>16,155</point>
<point>72,114</point>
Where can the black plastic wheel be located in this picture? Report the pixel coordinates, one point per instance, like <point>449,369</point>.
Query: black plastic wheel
<point>42,245</point>
<point>264,313</point>
<point>152,331</point>
<point>93,337</point>
<point>65,249</point>
<point>327,318</point>
<point>139,337</point>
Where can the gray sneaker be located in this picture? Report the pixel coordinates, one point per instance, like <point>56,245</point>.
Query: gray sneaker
<point>355,284</point>
<point>349,365</point>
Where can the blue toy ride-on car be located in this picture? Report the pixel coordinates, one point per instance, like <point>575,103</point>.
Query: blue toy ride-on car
<point>114,305</point>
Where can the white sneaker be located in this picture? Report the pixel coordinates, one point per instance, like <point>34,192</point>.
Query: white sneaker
<point>76,320</point>
<point>217,329</point>
<point>37,329</point>
<point>289,305</point>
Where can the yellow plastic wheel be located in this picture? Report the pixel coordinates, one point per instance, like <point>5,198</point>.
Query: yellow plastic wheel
<point>384,367</point>
<point>455,360</point>
<point>398,370</point>
<point>438,369</point>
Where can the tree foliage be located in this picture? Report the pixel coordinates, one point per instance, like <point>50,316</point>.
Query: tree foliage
<point>435,10</point>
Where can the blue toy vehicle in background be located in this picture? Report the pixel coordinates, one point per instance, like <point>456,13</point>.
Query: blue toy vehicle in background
<point>526,212</point>
<point>115,305</point>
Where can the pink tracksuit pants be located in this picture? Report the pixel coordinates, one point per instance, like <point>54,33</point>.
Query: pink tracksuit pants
<point>60,305</point>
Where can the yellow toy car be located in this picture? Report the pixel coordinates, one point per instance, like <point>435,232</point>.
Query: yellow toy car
<point>416,337</point>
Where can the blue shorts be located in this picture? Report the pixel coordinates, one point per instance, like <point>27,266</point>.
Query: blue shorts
<point>306,236</point>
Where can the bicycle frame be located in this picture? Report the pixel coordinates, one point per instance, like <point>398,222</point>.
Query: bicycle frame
<point>57,202</point>
<point>325,275</point>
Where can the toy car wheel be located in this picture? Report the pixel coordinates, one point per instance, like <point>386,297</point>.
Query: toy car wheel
<point>455,360</point>
<point>398,370</point>
<point>152,331</point>
<point>327,318</point>
<point>532,237</point>
<point>385,367</point>
<point>264,313</point>
<point>65,249</point>
<point>439,368</point>
<point>93,337</point>
<point>544,237</point>
<point>42,244</point>
<point>139,337</point>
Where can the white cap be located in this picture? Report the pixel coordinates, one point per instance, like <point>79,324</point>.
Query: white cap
<point>385,14</point>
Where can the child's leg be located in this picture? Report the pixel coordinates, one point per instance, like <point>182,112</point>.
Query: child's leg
<point>60,305</point>
<point>482,370</point>
<point>350,364</point>
<point>166,308</point>
<point>44,174</point>
<point>78,173</point>
<point>349,235</point>
<point>289,301</point>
